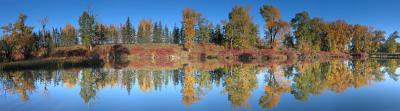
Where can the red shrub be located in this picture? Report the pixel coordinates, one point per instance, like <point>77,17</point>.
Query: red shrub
<point>138,50</point>
<point>164,52</point>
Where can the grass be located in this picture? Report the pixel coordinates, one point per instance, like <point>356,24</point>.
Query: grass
<point>164,56</point>
<point>50,63</point>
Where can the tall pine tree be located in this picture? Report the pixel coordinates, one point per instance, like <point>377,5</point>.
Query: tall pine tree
<point>128,32</point>
<point>176,35</point>
<point>167,35</point>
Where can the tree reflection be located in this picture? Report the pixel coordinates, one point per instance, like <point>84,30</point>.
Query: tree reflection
<point>276,85</point>
<point>128,79</point>
<point>20,83</point>
<point>309,80</point>
<point>88,85</point>
<point>189,95</point>
<point>70,78</point>
<point>390,69</point>
<point>240,81</point>
<point>145,80</point>
<point>334,75</point>
<point>301,79</point>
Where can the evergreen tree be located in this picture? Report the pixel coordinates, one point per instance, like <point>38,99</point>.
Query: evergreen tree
<point>134,36</point>
<point>176,35</point>
<point>100,34</point>
<point>157,32</point>
<point>49,42</point>
<point>128,32</point>
<point>160,32</point>
<point>182,38</point>
<point>87,28</point>
<point>217,35</point>
<point>203,32</point>
<point>167,35</point>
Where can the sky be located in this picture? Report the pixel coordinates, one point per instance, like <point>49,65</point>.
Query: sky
<point>380,14</point>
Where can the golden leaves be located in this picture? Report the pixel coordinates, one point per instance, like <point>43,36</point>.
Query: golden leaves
<point>144,31</point>
<point>189,20</point>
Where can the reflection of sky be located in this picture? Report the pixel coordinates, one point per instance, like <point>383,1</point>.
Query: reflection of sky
<point>398,71</point>
<point>382,95</point>
<point>379,96</point>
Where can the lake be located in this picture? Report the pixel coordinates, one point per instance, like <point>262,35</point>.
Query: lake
<point>337,85</point>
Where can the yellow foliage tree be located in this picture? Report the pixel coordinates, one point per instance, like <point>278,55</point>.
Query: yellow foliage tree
<point>189,21</point>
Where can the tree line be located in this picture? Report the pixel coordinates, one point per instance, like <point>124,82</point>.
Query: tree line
<point>303,33</point>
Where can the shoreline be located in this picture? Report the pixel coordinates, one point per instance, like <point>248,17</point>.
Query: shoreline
<point>166,55</point>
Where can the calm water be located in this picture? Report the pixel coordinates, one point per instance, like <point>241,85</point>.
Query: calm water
<point>329,86</point>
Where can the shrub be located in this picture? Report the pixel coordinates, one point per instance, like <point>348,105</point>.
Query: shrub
<point>118,55</point>
<point>246,57</point>
<point>71,52</point>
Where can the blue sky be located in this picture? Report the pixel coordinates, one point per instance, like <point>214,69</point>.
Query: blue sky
<point>381,14</point>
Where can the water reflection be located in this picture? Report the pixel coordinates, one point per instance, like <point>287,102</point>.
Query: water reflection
<point>238,81</point>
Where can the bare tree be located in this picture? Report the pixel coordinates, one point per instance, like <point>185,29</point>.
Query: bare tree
<point>43,21</point>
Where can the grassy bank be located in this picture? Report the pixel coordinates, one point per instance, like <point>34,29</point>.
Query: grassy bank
<point>163,56</point>
<point>50,63</point>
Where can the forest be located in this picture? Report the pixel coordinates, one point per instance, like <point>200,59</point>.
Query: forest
<point>302,34</point>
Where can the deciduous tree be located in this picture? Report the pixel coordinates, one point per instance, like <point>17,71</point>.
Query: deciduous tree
<point>338,36</point>
<point>240,31</point>
<point>145,31</point>
<point>68,35</point>
<point>361,39</point>
<point>190,18</point>
<point>378,37</point>
<point>275,27</point>
<point>391,44</point>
